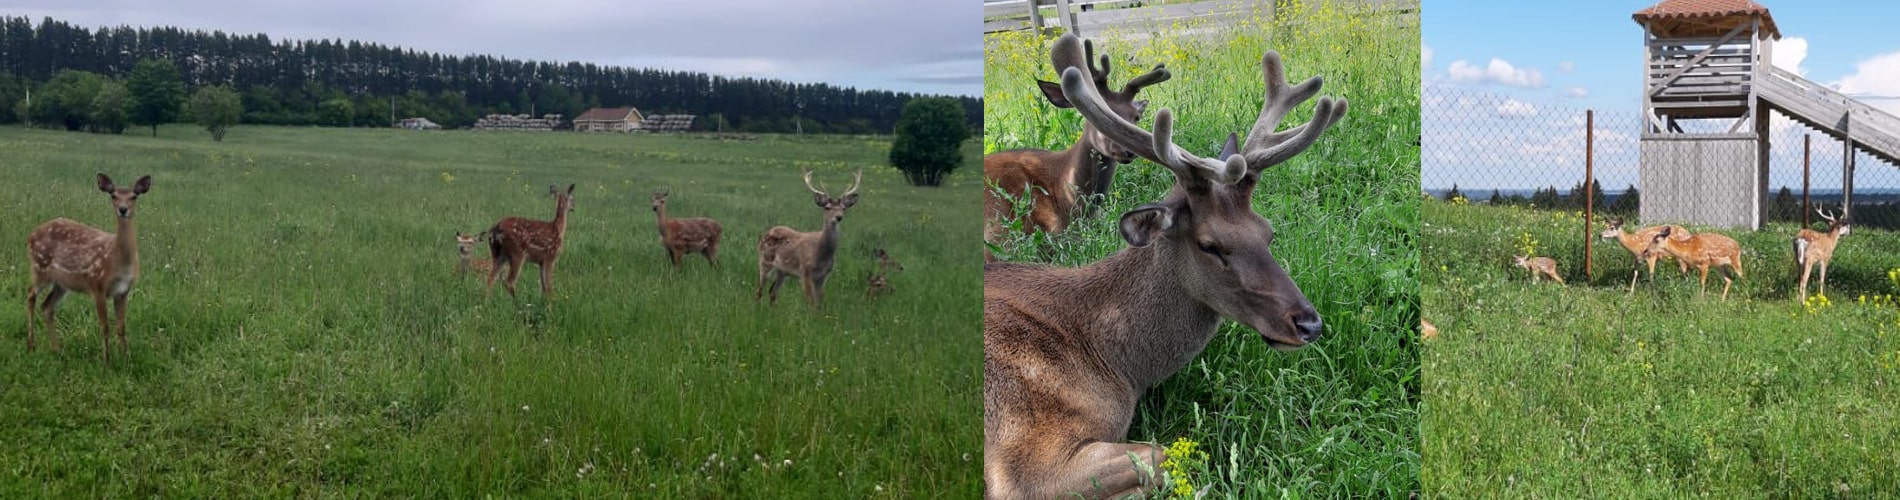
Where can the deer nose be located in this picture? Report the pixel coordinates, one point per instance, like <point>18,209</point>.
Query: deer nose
<point>1309,327</point>
<point>125,212</point>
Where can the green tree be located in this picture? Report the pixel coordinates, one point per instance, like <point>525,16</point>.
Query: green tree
<point>12,91</point>
<point>1626,203</point>
<point>111,108</point>
<point>156,92</point>
<point>336,113</point>
<point>215,108</point>
<point>1454,193</point>
<point>66,100</point>
<point>930,135</point>
<point>1785,207</point>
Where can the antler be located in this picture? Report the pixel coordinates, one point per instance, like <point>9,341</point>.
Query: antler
<point>808,185</point>
<point>1264,147</point>
<point>855,179</point>
<point>1824,215</point>
<point>1068,55</point>
<point>1156,75</point>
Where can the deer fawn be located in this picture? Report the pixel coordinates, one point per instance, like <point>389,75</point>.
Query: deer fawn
<point>785,252</point>
<point>1058,181</point>
<point>686,236</point>
<point>465,245</point>
<point>1539,266</point>
<point>1814,247</point>
<point>1067,351</point>
<point>1702,251</point>
<point>880,281</point>
<point>67,256</point>
<point>1636,243</point>
<point>516,241</point>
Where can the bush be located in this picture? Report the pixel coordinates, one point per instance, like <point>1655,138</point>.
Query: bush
<point>930,135</point>
<point>216,108</point>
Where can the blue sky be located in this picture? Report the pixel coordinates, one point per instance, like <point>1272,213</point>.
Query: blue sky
<point>1532,59</point>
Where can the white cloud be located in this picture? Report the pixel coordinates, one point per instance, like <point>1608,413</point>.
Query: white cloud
<point>1513,108</point>
<point>1578,92</point>
<point>1425,55</point>
<point>1879,76</point>
<point>1788,53</point>
<point>1567,66</point>
<point>1499,71</point>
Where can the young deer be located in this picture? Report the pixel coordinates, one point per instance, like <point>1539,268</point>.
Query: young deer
<point>785,252</point>
<point>1539,266</point>
<point>1067,351</point>
<point>880,281</point>
<point>1702,251</point>
<point>465,245</point>
<point>1060,181</point>
<point>516,241</point>
<point>686,236</point>
<point>1635,243</point>
<point>66,256</point>
<point>1814,247</point>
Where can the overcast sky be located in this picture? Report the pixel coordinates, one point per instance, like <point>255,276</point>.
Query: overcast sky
<point>932,46</point>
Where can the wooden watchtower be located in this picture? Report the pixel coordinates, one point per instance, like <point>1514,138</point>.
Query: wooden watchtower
<point>1702,63</point>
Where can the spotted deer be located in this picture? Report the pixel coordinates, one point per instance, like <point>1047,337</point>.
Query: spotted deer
<point>1059,182</point>
<point>516,241</point>
<point>785,252</point>
<point>1544,266</point>
<point>1067,351</point>
<point>1814,247</point>
<point>686,236</point>
<point>66,256</point>
<point>1702,251</point>
<point>465,246</point>
<point>1636,243</point>
<point>879,281</point>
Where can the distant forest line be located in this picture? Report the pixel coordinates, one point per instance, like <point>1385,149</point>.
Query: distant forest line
<point>290,82</point>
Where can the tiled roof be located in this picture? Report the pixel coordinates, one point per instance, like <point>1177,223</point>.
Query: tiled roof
<point>604,114</point>
<point>1681,10</point>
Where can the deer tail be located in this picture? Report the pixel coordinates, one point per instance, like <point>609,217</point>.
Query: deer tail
<point>1800,251</point>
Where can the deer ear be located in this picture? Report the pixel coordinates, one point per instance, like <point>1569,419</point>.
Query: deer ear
<point>1232,147</point>
<point>570,189</point>
<point>819,199</point>
<point>144,184</point>
<point>1053,91</point>
<point>1141,225</point>
<point>105,183</point>
<point>850,199</point>
<point>1141,106</point>
<point>552,190</point>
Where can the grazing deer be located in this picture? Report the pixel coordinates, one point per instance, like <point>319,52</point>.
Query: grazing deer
<point>1059,181</point>
<point>1814,247</point>
<point>67,256</point>
<point>465,245</point>
<point>785,252</point>
<point>1539,266</point>
<point>880,281</point>
<point>1702,251</point>
<point>686,236</point>
<point>1067,351</point>
<point>1636,243</point>
<point>516,241</point>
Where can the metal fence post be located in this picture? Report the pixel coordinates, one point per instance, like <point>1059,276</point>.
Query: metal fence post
<point>1589,184</point>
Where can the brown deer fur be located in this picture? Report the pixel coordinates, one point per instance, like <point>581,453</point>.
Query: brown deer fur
<point>1814,247</point>
<point>785,252</point>
<point>1544,266</point>
<point>1067,351</point>
<point>465,246</point>
<point>1702,251</point>
<point>879,281</point>
<point>516,241</point>
<point>1058,182</point>
<point>1635,243</point>
<point>66,256</point>
<point>686,236</point>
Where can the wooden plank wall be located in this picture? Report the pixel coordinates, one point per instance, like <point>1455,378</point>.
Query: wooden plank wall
<point>1711,180</point>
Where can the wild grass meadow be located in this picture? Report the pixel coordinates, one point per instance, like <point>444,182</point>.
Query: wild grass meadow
<point>1339,417</point>
<point>1586,390</point>
<point>298,329</point>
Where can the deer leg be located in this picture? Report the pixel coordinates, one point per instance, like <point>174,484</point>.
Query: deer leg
<point>1805,270</point>
<point>1633,276</point>
<point>49,307</point>
<point>1705,280</point>
<point>118,310</point>
<point>1101,467</point>
<point>674,253</point>
<point>818,290</point>
<point>547,282</point>
<point>712,253</point>
<point>514,274</point>
<point>493,271</point>
<point>1725,284</point>
<point>1824,278</point>
<point>32,311</point>
<point>778,278</point>
<point>764,271</point>
<point>105,328</point>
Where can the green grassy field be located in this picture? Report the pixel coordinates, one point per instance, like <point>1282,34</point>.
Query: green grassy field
<point>298,330</point>
<point>1542,391</point>
<point>1339,417</point>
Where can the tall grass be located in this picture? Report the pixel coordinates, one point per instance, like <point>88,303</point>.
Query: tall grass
<point>1537,390</point>
<point>298,329</point>
<point>1339,417</point>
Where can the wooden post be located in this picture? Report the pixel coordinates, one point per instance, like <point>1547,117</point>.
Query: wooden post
<point>1068,17</point>
<point>1589,184</point>
<point>1847,167</point>
<point>1035,18</point>
<point>1805,206</point>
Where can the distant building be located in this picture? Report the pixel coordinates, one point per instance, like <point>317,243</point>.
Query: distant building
<point>668,123</point>
<point>608,120</point>
<point>418,123</point>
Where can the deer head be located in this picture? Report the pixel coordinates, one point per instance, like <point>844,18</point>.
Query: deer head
<point>886,264</point>
<point>563,201</point>
<point>834,206</point>
<point>1121,102</point>
<point>464,243</point>
<point>1837,227</point>
<point>125,199</point>
<point>1206,229</point>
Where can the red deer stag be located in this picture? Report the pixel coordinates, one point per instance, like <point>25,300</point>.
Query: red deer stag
<point>879,281</point>
<point>1059,181</point>
<point>1067,351</point>
<point>1702,251</point>
<point>1635,243</point>
<point>516,241</point>
<point>1814,247</point>
<point>785,252</point>
<point>686,236</point>
<point>67,256</point>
